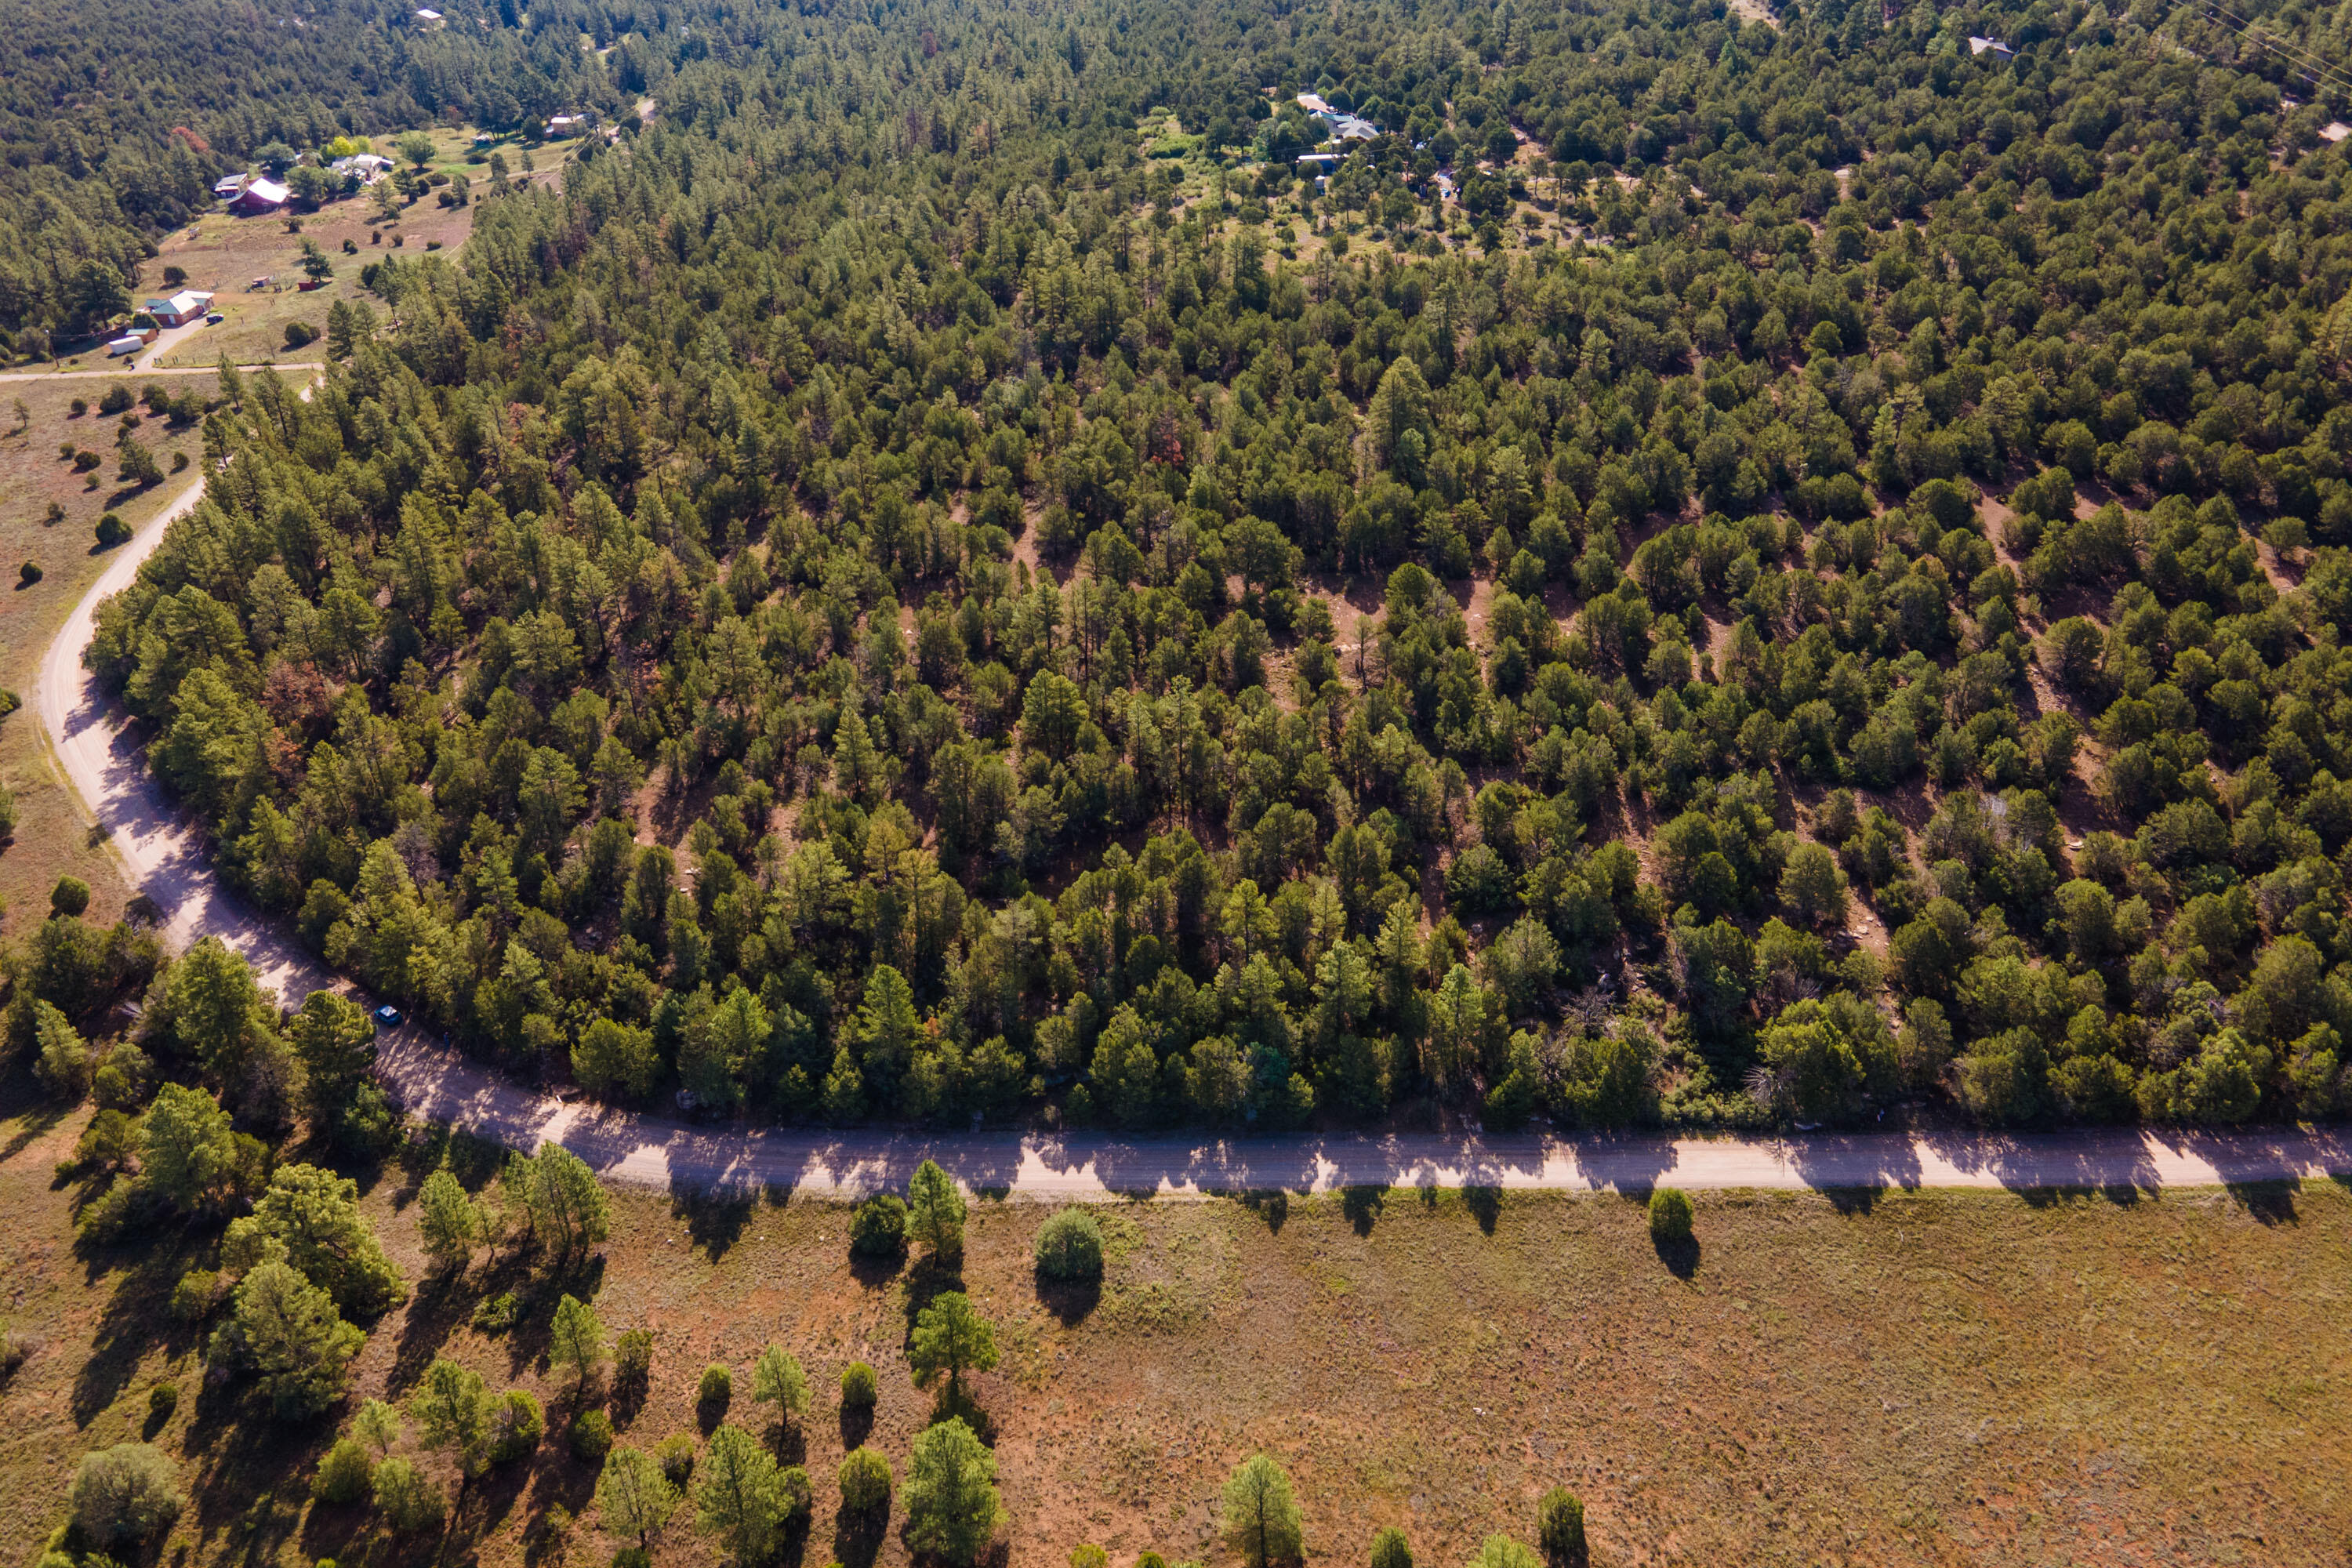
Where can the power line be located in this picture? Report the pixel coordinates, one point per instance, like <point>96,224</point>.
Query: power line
<point>2315,68</point>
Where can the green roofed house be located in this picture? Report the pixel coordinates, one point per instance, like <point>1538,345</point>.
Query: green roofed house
<point>187,305</point>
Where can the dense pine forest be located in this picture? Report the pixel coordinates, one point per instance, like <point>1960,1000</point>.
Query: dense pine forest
<point>1721,571</point>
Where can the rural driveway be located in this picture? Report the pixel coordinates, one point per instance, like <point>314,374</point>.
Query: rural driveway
<point>164,858</point>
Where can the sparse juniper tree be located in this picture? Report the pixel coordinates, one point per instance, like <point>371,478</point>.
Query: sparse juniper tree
<point>1260,1517</point>
<point>378,1426</point>
<point>454,1413</point>
<point>951,1338</point>
<point>634,1496</point>
<point>952,1505</point>
<point>449,1221</point>
<point>1560,1528</point>
<point>740,1495</point>
<point>777,1379</point>
<point>935,1210</point>
<point>576,1343</point>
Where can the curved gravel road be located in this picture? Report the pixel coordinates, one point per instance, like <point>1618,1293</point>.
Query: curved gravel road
<point>164,858</point>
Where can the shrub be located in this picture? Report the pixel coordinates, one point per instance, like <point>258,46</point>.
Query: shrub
<point>407,1500</point>
<point>80,406</point>
<point>632,1355</point>
<point>112,530</point>
<point>196,1295</point>
<point>1070,1247</point>
<point>1670,1215</point>
<point>496,1314</point>
<point>301,335</point>
<point>591,1435</point>
<point>865,1482</point>
<point>717,1387</point>
<point>115,399</point>
<point>1086,1555</point>
<point>878,1229</point>
<point>517,1424</point>
<point>1559,1517</point>
<point>70,897</point>
<point>676,1455</point>
<point>858,1389</point>
<point>126,1493</point>
<point>1390,1550</point>
<point>162,1400</point>
<point>344,1473</point>
<point>17,1348</point>
<point>30,572</point>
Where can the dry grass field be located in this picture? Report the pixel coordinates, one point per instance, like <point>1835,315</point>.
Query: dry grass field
<point>1933,1378</point>
<point>226,254</point>
<point>52,838</point>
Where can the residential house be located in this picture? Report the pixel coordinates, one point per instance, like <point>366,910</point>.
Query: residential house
<point>187,305</point>
<point>1981,46</point>
<point>369,167</point>
<point>229,186</point>
<point>425,18</point>
<point>260,196</point>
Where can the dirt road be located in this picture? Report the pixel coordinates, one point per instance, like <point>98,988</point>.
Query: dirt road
<point>121,372</point>
<point>162,855</point>
<point>649,1151</point>
<point>164,858</point>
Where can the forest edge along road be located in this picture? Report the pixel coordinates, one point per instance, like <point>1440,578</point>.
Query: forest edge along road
<point>849,1163</point>
<point>165,859</point>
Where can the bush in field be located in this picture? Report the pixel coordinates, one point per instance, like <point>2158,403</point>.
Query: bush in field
<point>1070,1247</point>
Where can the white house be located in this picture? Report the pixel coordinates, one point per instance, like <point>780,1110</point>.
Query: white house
<point>368,166</point>
<point>1979,46</point>
<point>228,186</point>
<point>424,17</point>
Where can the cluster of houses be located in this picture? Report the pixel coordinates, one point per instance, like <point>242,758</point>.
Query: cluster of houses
<point>257,195</point>
<point>1340,126</point>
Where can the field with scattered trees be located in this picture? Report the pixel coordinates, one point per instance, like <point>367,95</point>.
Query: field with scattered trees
<point>1914,1379</point>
